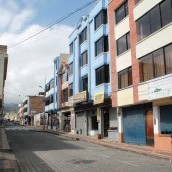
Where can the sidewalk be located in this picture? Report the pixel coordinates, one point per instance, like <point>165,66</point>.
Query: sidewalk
<point>146,150</point>
<point>8,161</point>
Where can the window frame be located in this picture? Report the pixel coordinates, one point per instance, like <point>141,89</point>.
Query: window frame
<point>102,75</point>
<point>102,16</point>
<point>125,10</point>
<point>127,71</point>
<point>104,46</point>
<point>71,89</point>
<point>82,57</point>
<point>83,36</point>
<point>141,74</point>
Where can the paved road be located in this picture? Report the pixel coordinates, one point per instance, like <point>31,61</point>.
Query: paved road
<point>37,151</point>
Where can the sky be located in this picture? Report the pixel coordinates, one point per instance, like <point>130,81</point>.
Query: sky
<point>31,63</point>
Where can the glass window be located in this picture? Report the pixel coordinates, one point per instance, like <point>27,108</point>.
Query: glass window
<point>123,43</point>
<point>71,89</point>
<point>84,58</point>
<point>168,58</point>
<point>156,18</point>
<point>155,21</point>
<point>166,12</point>
<point>71,48</point>
<point>121,12</point>
<point>65,95</point>
<point>125,78</point>
<point>71,68</point>
<point>156,64</point>
<point>85,84</point>
<point>143,27</point>
<point>146,68</point>
<point>102,75</point>
<point>83,36</point>
<point>101,18</point>
<point>158,59</point>
<point>101,45</point>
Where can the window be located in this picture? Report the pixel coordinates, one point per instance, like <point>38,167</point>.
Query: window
<point>168,58</point>
<point>71,89</point>
<point>65,95</point>
<point>71,68</point>
<point>125,78</point>
<point>71,48</point>
<point>102,75</point>
<point>166,12</point>
<point>52,84</point>
<point>101,18</point>
<point>155,19</point>
<point>156,64</point>
<point>51,99</point>
<point>83,36</point>
<point>146,70</point>
<point>121,12</point>
<point>84,58</point>
<point>123,43</point>
<point>101,45</point>
<point>85,83</point>
<point>65,76</point>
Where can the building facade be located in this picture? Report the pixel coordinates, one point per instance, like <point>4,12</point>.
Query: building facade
<point>3,73</point>
<point>89,73</point>
<point>141,70</point>
<point>32,105</point>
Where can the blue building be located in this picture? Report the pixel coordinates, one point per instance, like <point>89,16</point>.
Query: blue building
<point>89,73</point>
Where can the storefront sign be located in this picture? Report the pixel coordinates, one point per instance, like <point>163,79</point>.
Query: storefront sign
<point>99,97</point>
<point>160,88</point>
<point>80,97</point>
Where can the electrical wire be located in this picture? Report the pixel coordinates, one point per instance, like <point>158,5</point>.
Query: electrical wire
<point>58,21</point>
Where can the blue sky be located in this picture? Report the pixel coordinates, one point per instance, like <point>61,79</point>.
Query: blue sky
<point>31,63</point>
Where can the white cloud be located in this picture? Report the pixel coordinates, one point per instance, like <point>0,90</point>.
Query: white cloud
<point>12,18</point>
<point>31,61</point>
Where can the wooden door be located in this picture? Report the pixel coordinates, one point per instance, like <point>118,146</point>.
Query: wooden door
<point>149,125</point>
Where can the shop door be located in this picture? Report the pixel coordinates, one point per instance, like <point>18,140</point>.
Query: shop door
<point>106,122</point>
<point>149,127</point>
<point>134,126</point>
<point>80,123</point>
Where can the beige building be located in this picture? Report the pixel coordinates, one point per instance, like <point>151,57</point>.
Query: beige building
<point>3,72</point>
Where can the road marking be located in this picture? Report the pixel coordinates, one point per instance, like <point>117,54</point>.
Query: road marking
<point>104,155</point>
<point>125,162</point>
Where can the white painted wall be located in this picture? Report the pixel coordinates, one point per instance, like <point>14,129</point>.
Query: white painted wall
<point>113,121</point>
<point>156,117</point>
<point>122,28</point>
<point>143,7</point>
<point>155,41</point>
<point>123,61</point>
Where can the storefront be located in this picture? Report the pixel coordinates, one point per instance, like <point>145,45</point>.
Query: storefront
<point>138,124</point>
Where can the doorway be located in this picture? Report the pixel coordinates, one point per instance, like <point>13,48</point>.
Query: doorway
<point>105,122</point>
<point>149,128</point>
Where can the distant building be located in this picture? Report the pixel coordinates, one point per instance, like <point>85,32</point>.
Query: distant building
<point>3,73</point>
<point>32,105</point>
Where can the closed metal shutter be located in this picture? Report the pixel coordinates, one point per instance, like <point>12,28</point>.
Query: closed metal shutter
<point>80,123</point>
<point>134,125</point>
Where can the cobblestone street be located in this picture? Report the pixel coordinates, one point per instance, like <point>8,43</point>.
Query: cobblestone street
<point>37,151</point>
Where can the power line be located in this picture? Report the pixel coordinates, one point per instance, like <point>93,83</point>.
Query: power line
<point>58,21</point>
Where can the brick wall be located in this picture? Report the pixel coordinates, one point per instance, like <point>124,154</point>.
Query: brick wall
<point>37,103</point>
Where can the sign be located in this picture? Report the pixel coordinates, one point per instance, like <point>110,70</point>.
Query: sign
<point>80,97</point>
<point>99,97</point>
<point>160,88</point>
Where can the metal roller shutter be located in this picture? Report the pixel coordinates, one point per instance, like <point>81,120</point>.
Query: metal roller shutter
<point>80,123</point>
<point>134,125</point>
